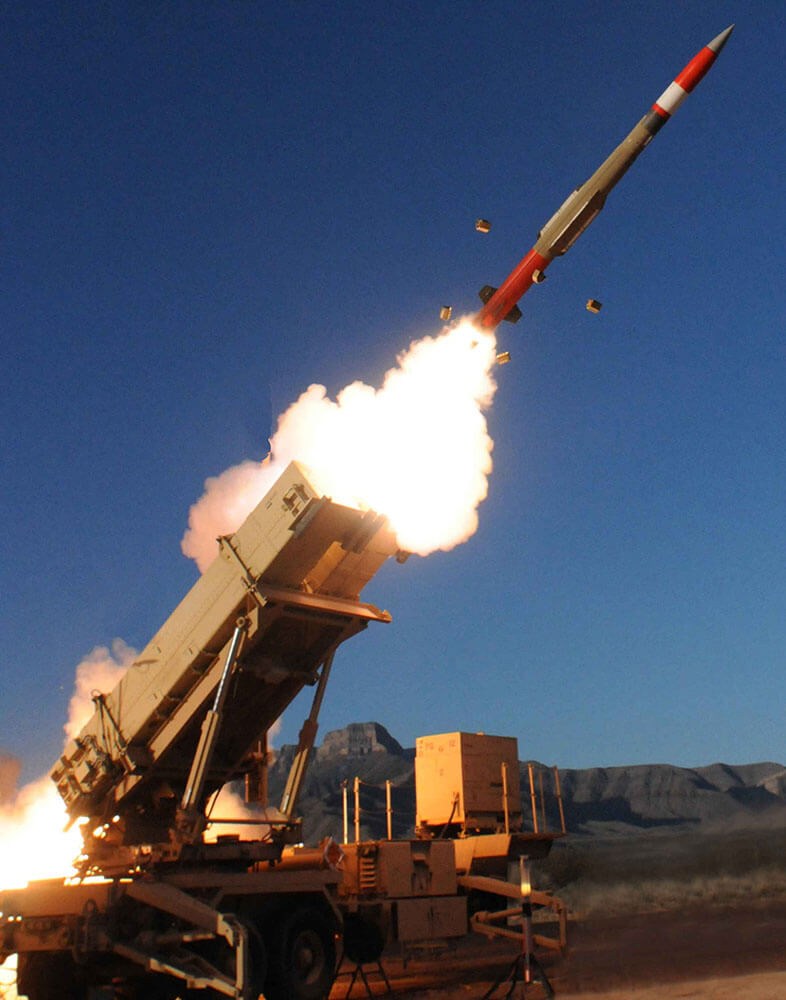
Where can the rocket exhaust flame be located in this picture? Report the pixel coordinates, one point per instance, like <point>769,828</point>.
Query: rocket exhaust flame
<point>33,843</point>
<point>422,434</point>
<point>99,671</point>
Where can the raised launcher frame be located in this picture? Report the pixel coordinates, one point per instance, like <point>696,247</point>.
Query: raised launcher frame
<point>262,622</point>
<point>172,914</point>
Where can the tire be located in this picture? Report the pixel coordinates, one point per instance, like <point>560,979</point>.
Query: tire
<point>301,957</point>
<point>364,941</point>
<point>152,986</point>
<point>257,960</point>
<point>49,975</point>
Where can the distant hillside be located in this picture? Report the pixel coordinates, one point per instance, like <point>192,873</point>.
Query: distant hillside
<point>597,801</point>
<point>661,795</point>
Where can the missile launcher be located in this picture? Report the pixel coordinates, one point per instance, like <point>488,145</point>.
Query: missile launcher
<point>284,589</point>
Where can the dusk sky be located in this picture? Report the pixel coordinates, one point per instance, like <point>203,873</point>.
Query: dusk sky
<point>206,207</point>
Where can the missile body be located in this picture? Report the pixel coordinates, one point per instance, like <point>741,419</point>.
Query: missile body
<point>572,218</point>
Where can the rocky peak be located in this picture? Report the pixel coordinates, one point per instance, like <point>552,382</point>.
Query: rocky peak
<point>357,740</point>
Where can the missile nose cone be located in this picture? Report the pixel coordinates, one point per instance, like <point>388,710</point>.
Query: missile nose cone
<point>720,40</point>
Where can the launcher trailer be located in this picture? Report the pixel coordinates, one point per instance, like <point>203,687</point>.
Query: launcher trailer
<point>155,911</point>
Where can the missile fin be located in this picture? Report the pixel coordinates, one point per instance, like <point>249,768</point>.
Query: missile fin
<point>486,292</point>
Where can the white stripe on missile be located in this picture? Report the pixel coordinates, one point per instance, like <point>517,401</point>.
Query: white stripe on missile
<point>671,98</point>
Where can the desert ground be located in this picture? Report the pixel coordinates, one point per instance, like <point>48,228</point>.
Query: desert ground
<point>708,953</point>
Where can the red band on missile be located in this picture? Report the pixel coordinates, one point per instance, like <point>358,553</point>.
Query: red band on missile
<point>682,85</point>
<point>671,98</point>
<point>696,69</point>
<point>510,291</point>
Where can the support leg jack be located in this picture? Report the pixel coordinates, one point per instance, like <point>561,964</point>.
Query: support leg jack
<point>360,971</point>
<point>522,972</point>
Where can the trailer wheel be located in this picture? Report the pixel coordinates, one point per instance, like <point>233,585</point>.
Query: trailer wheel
<point>363,939</point>
<point>151,986</point>
<point>301,957</point>
<point>49,975</point>
<point>257,959</point>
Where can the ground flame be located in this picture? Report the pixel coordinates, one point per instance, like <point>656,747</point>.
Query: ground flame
<point>33,843</point>
<point>421,436</point>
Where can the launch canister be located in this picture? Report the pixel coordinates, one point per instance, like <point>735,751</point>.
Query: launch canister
<point>572,218</point>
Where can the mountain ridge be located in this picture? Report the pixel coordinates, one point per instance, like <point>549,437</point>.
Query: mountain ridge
<point>597,801</point>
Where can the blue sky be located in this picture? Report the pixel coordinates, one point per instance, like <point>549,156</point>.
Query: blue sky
<point>206,207</point>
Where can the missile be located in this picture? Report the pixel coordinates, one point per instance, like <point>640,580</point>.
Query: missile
<point>572,218</point>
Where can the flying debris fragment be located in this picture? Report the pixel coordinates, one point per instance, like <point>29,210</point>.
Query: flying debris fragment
<point>594,306</point>
<point>483,225</point>
<point>445,312</point>
<point>572,218</point>
<point>503,358</point>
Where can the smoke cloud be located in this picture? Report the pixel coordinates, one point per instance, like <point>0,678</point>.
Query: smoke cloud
<point>227,501</point>
<point>99,671</point>
<point>9,776</point>
<point>417,449</point>
<point>229,805</point>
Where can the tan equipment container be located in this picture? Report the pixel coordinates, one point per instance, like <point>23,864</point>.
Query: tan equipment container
<point>467,783</point>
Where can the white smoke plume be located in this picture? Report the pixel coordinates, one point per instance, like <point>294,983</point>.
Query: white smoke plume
<point>421,436</point>
<point>99,671</point>
<point>9,775</point>
<point>228,805</point>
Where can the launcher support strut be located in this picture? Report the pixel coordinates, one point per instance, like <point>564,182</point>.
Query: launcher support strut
<point>308,735</point>
<point>209,733</point>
